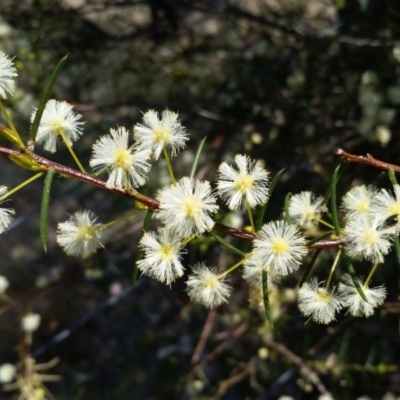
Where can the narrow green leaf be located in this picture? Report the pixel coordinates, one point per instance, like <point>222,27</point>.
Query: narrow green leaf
<point>340,4</point>
<point>224,243</point>
<point>354,278</point>
<point>333,210</point>
<point>286,208</point>
<point>309,266</point>
<point>197,158</point>
<point>44,98</point>
<point>261,212</point>
<point>392,177</point>
<point>44,212</point>
<point>266,298</point>
<point>397,250</point>
<point>139,253</point>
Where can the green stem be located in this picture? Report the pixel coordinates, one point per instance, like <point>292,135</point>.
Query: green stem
<point>321,221</point>
<point>122,218</point>
<point>21,185</point>
<point>248,208</point>
<point>74,156</point>
<point>228,271</point>
<point>371,273</point>
<point>335,263</point>
<point>169,166</point>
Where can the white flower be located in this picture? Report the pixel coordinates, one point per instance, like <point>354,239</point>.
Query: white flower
<point>128,165</point>
<point>368,239</point>
<point>355,303</point>
<point>30,322</point>
<point>279,246</point>
<point>80,236</point>
<point>6,214</point>
<point>185,207</point>
<point>7,75</point>
<point>385,205</point>
<point>247,182</point>
<point>155,134</point>
<point>162,254</point>
<point>58,118</point>
<point>7,373</point>
<point>318,303</point>
<point>357,201</point>
<point>204,286</point>
<point>252,273</point>
<point>4,284</point>
<point>305,208</point>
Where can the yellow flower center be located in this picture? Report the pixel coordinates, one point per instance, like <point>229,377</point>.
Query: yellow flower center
<point>323,295</point>
<point>58,126</point>
<point>363,206</point>
<point>279,246</point>
<point>395,209</point>
<point>84,234</point>
<point>167,251</point>
<point>162,134</point>
<point>244,183</point>
<point>370,236</point>
<point>211,282</point>
<point>123,159</point>
<point>192,206</point>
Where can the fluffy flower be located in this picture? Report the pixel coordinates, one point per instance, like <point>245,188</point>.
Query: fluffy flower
<point>385,205</point>
<point>128,166</point>
<point>7,373</point>
<point>368,239</point>
<point>162,256</point>
<point>185,208</point>
<point>7,75</point>
<point>318,303</point>
<point>357,306</point>
<point>305,208</point>
<point>155,134</point>
<point>4,284</point>
<point>58,118</point>
<point>245,182</point>
<point>80,236</point>
<point>357,201</point>
<point>280,247</point>
<point>6,214</point>
<point>30,322</point>
<point>204,286</point>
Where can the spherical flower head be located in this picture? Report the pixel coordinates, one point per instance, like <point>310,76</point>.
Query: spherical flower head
<point>280,247</point>
<point>368,239</point>
<point>162,256</point>
<point>185,207</point>
<point>357,201</point>
<point>155,134</point>
<point>128,166</point>
<point>30,322</point>
<point>385,205</point>
<point>6,214</point>
<point>305,208</point>
<point>204,286</point>
<point>7,75</point>
<point>7,373</point>
<point>80,236</point>
<point>357,306</point>
<point>58,118</point>
<point>245,182</point>
<point>4,284</point>
<point>318,303</point>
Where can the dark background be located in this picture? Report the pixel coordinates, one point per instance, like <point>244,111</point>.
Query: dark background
<point>287,82</point>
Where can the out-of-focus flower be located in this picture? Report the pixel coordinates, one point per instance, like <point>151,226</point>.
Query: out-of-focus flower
<point>7,75</point>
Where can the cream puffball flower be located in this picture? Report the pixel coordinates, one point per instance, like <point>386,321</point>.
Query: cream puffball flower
<point>357,201</point>
<point>30,322</point>
<point>245,182</point>
<point>318,303</point>
<point>368,239</point>
<point>385,205</point>
<point>305,208</point>
<point>4,284</point>
<point>155,134</point>
<point>58,119</point>
<point>162,254</point>
<point>204,286</point>
<point>7,75</point>
<point>6,214</point>
<point>7,373</point>
<point>280,247</point>
<point>80,236</point>
<point>185,207</point>
<point>128,166</point>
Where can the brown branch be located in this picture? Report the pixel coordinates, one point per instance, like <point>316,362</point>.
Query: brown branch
<point>367,159</point>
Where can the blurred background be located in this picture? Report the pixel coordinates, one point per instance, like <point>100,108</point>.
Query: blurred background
<point>285,81</point>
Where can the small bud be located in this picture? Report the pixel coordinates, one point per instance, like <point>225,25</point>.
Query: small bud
<point>7,373</point>
<point>26,161</point>
<point>4,284</point>
<point>30,322</point>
